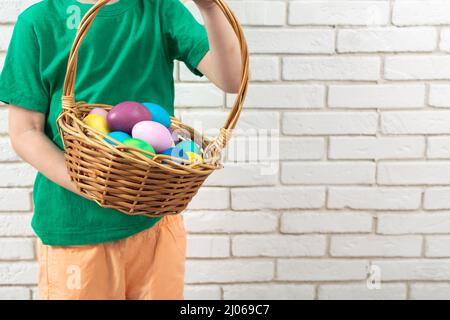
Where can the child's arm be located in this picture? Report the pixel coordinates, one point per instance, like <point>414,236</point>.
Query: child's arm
<point>26,130</point>
<point>222,64</point>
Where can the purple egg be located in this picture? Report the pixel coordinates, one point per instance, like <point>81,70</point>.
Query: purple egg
<point>175,136</point>
<point>99,111</point>
<point>125,115</point>
<point>154,133</point>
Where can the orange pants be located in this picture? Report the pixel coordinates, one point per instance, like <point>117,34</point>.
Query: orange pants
<point>148,265</point>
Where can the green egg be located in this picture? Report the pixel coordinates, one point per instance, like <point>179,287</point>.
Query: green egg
<point>140,144</point>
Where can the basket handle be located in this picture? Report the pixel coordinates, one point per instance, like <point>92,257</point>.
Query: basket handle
<point>68,98</point>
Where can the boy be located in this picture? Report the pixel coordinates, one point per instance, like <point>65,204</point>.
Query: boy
<point>85,251</point>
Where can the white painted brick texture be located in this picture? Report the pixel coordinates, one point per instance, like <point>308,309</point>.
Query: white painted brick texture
<point>357,97</point>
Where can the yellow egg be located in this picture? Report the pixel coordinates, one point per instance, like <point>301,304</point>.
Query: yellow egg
<point>194,157</point>
<point>97,122</point>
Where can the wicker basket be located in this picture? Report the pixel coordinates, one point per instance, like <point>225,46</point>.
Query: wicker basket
<point>121,177</point>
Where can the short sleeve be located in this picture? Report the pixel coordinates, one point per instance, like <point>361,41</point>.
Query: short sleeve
<point>21,81</point>
<point>186,39</point>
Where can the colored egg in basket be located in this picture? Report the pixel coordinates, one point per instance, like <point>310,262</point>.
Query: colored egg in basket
<point>97,122</point>
<point>118,136</point>
<point>176,153</point>
<point>159,114</point>
<point>125,115</point>
<point>153,133</point>
<point>140,144</point>
<point>99,111</point>
<point>189,146</point>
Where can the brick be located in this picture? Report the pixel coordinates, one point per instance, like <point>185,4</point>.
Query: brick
<point>374,198</point>
<point>328,172</point>
<point>14,293</point>
<point>301,148</point>
<point>230,222</point>
<point>2,59</point>
<point>415,122</point>
<point>268,292</point>
<point>376,96</point>
<point>18,273</point>
<point>276,41</point>
<point>211,199</point>
<point>339,13</point>
<point>5,36</point>
<point>413,173</point>
<point>202,292</point>
<point>278,246</point>
<point>445,40</point>
<point>3,120</point>
<point>397,270</point>
<point>414,12</point>
<point>440,95</point>
<point>15,225</point>
<point>331,68</point>
<point>321,270</point>
<point>376,147</point>
<point>242,175</point>
<point>10,10</point>
<point>208,246</point>
<point>329,123</point>
<point>277,198</point>
<point>6,151</point>
<point>429,291</point>
<point>284,96</point>
<point>413,223</point>
<point>205,271</point>
<point>326,222</point>
<point>437,198</point>
<point>250,122</point>
<point>376,246</point>
<point>362,292</point>
<point>259,13</point>
<point>437,246</point>
<point>198,95</point>
<point>17,175</point>
<point>15,200</point>
<point>415,39</point>
<point>417,67</point>
<point>438,147</point>
<point>16,249</point>
<point>265,68</point>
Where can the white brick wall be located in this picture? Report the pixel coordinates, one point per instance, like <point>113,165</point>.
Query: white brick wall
<point>356,94</point>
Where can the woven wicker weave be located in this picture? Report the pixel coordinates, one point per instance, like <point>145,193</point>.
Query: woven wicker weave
<point>121,177</point>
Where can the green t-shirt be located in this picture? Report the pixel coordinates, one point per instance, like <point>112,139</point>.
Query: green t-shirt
<point>128,54</point>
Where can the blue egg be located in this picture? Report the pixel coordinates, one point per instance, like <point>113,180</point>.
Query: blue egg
<point>159,114</point>
<point>188,146</point>
<point>176,152</point>
<point>119,136</point>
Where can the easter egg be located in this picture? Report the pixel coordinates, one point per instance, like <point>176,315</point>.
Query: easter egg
<point>117,135</point>
<point>194,157</point>
<point>153,133</point>
<point>99,111</point>
<point>189,146</point>
<point>175,136</point>
<point>97,122</point>
<point>140,144</point>
<point>125,115</point>
<point>159,114</point>
<point>176,153</point>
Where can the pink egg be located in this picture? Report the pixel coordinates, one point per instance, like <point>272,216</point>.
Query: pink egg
<point>99,111</point>
<point>157,135</point>
<point>125,115</point>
